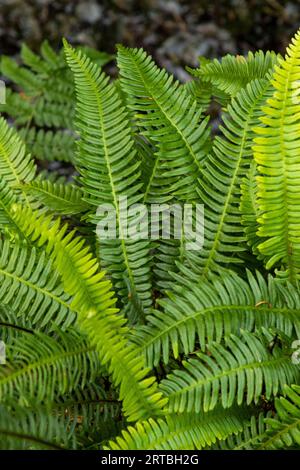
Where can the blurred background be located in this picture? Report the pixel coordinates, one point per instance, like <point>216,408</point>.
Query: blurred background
<point>176,32</point>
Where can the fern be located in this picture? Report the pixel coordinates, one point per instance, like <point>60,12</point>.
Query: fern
<point>277,161</point>
<point>232,74</point>
<point>136,343</point>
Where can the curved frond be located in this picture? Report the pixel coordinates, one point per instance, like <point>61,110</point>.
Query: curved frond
<point>15,166</point>
<point>31,286</point>
<point>43,367</point>
<point>94,302</point>
<point>233,73</point>
<point>186,431</point>
<point>240,371</point>
<point>212,309</point>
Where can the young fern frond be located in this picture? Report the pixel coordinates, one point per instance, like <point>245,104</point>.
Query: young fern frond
<point>110,170</point>
<point>240,371</point>
<point>276,152</point>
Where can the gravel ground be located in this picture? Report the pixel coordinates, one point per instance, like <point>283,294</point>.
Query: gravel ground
<point>175,32</point>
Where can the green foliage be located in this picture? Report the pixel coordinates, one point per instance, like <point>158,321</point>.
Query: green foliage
<point>131,343</point>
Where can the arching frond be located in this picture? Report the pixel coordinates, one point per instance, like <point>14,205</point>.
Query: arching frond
<point>231,74</point>
<point>94,302</point>
<point>240,371</point>
<point>31,286</point>
<point>186,431</point>
<point>42,367</point>
<point>27,429</point>
<point>15,166</point>
<point>210,310</point>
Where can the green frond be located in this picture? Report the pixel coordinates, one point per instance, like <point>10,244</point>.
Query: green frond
<point>186,431</point>
<point>27,429</point>
<point>109,168</point>
<point>13,325</point>
<point>46,145</point>
<point>15,165</point>
<point>240,371</point>
<point>45,367</point>
<point>283,430</point>
<point>207,311</point>
<point>7,199</point>
<point>94,302</point>
<point>31,286</point>
<point>220,184</point>
<point>253,432</point>
<point>233,73</point>
<point>168,114</point>
<point>276,151</point>
<point>62,198</point>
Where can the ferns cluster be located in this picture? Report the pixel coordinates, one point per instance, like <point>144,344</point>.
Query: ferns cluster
<point>132,343</point>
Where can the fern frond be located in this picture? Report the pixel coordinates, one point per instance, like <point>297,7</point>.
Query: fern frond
<point>276,151</point>
<point>94,302</point>
<point>169,111</point>
<point>208,311</point>
<point>220,185</point>
<point>45,367</point>
<point>62,198</point>
<point>240,371</point>
<point>15,166</point>
<point>27,429</point>
<point>250,210</point>
<point>31,286</point>
<point>109,169</point>
<point>233,73</point>
<point>49,145</point>
<point>254,431</point>
<point>184,431</point>
<point>284,430</point>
